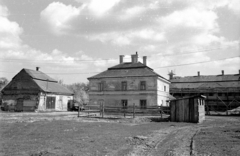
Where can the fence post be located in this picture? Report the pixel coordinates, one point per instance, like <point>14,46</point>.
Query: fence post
<point>133,110</point>
<point>78,110</point>
<point>102,110</point>
<point>161,111</point>
<point>88,110</point>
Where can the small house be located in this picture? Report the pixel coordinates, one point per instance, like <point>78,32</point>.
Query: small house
<point>188,109</point>
<point>32,90</point>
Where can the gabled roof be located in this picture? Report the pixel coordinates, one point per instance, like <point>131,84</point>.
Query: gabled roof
<point>45,82</point>
<point>127,70</point>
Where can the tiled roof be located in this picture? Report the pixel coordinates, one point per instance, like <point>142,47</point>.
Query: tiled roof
<point>127,70</point>
<point>39,75</point>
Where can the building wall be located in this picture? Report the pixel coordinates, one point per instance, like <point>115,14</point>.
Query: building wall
<point>61,102</point>
<point>112,94</point>
<point>163,92</point>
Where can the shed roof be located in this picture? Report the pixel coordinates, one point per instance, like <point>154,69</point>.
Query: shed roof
<point>127,70</point>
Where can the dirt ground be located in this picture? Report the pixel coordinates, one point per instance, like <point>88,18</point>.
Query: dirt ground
<point>64,134</point>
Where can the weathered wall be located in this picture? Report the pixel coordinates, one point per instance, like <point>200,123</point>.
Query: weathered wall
<point>60,102</point>
<point>112,93</point>
<point>21,84</point>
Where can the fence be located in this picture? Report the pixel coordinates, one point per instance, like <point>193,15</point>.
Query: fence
<point>125,111</point>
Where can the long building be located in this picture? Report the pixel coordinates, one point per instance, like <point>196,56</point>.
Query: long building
<point>222,91</point>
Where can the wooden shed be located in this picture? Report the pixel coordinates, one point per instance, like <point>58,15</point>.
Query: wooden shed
<point>188,109</point>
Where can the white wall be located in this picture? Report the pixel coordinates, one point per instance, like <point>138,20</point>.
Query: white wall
<point>60,103</point>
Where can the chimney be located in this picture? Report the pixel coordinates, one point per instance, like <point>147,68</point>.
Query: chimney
<point>121,58</point>
<point>222,72</point>
<point>135,58</point>
<point>198,73</point>
<point>145,60</point>
<point>37,68</point>
<point>171,74</point>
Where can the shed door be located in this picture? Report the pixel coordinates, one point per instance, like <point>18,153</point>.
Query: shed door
<point>51,102</point>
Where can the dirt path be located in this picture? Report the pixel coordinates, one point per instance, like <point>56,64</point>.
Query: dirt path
<point>169,141</point>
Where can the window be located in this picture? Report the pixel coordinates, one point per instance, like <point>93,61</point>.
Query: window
<point>143,85</point>
<point>100,86</point>
<point>124,104</point>
<point>210,94</point>
<point>143,104</point>
<point>165,88</point>
<point>219,94</point>
<point>124,85</point>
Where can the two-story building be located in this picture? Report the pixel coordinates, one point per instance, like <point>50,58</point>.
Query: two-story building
<point>129,83</point>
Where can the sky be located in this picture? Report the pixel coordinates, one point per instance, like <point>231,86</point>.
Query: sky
<point>71,40</point>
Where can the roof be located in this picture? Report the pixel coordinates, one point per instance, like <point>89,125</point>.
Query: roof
<point>39,75</point>
<point>46,83</point>
<point>52,87</point>
<point>209,81</point>
<point>207,78</point>
<point>127,70</point>
<point>128,65</point>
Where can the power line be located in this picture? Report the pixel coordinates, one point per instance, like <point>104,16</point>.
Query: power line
<point>154,68</point>
<point>99,60</point>
<point>197,62</point>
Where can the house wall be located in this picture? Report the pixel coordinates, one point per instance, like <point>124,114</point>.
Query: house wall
<point>162,92</point>
<point>112,94</point>
<point>61,102</point>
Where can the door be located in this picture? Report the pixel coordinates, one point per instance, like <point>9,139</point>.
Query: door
<point>50,104</point>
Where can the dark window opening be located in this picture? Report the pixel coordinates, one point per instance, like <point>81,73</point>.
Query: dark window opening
<point>124,85</point>
<point>143,85</point>
<point>143,104</point>
<point>124,104</point>
<point>165,88</point>
<point>100,86</point>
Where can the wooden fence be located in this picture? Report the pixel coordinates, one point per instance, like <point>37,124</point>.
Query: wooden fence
<point>125,111</point>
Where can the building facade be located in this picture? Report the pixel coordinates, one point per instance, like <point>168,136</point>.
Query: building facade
<point>222,91</point>
<point>129,83</point>
<point>32,90</point>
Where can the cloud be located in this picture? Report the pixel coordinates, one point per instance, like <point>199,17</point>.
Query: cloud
<point>9,31</point>
<point>59,16</point>
<point>100,7</point>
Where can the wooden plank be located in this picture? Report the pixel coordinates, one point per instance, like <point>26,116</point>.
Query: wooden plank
<point>196,113</point>
<point>173,111</point>
<point>186,110</point>
<point>181,110</point>
<point>191,110</point>
<point>177,110</point>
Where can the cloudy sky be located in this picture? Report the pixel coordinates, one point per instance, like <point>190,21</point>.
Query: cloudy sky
<point>71,40</point>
